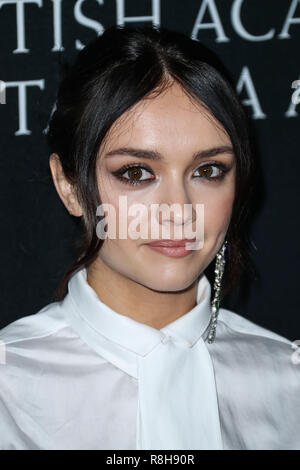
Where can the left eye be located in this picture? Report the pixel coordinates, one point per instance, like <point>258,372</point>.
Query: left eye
<point>206,171</point>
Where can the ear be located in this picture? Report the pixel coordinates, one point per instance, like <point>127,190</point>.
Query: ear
<point>63,187</point>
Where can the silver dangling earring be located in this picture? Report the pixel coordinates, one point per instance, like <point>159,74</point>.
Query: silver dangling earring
<point>219,270</point>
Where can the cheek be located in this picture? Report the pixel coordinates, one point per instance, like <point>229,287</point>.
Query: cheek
<point>121,225</point>
<point>217,210</point>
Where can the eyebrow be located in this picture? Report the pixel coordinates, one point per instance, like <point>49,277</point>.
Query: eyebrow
<point>154,155</point>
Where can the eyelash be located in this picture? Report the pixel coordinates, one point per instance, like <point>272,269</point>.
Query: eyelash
<point>224,169</point>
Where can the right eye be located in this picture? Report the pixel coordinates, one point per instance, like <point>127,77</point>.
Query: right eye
<point>135,174</point>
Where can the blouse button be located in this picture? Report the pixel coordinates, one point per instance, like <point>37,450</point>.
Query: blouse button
<point>165,339</point>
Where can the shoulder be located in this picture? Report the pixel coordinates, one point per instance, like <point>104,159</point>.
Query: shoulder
<point>35,351</point>
<point>26,340</point>
<point>261,348</point>
<point>242,326</point>
<point>32,347</point>
<point>46,321</point>
<point>258,372</point>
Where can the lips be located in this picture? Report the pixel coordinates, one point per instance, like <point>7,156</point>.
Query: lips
<point>171,243</point>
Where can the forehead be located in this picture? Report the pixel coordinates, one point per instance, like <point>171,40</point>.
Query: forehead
<point>169,122</point>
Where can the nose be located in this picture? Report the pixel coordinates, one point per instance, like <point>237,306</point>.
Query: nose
<point>175,204</point>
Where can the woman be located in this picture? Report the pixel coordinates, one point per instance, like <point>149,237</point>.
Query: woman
<point>136,354</point>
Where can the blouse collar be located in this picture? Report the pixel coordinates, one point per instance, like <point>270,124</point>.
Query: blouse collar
<point>120,338</point>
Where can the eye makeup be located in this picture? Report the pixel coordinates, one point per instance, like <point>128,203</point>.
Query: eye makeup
<point>136,170</point>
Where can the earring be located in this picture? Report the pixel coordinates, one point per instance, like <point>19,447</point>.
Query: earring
<point>221,257</point>
<point>70,212</point>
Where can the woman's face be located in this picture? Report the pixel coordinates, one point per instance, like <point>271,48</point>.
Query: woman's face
<point>171,125</point>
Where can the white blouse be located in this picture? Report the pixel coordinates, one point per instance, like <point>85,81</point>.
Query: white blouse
<point>79,375</point>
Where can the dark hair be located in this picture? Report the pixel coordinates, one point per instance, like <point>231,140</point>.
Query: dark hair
<point>110,75</point>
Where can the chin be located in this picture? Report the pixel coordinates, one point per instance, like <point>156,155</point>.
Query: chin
<point>173,283</point>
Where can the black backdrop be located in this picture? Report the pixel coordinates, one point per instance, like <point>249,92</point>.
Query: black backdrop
<point>257,40</point>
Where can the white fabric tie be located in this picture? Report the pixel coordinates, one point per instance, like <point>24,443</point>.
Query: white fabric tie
<point>184,413</point>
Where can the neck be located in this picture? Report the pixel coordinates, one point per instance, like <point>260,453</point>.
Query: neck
<point>154,308</point>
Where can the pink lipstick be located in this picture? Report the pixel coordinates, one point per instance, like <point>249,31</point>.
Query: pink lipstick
<point>173,248</point>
